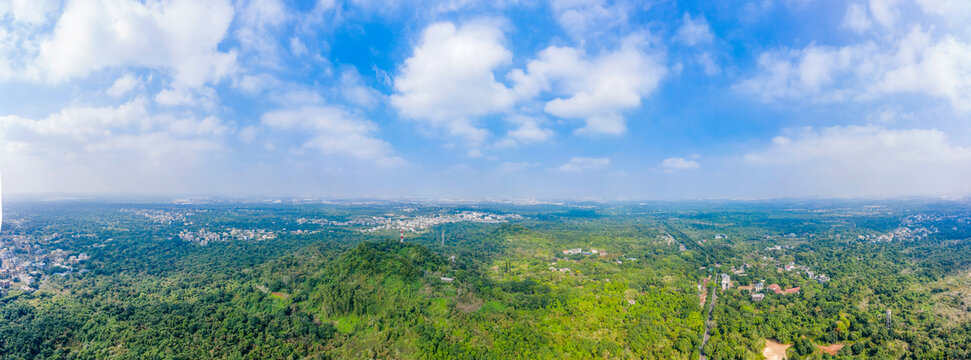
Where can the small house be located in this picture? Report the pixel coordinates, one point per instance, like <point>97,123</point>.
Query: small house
<point>726,282</point>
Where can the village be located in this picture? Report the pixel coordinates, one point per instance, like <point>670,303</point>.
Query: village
<point>422,222</point>
<point>204,236</point>
<point>26,265</point>
<point>166,217</point>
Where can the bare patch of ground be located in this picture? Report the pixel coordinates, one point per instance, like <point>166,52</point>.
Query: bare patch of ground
<point>831,349</point>
<point>775,350</point>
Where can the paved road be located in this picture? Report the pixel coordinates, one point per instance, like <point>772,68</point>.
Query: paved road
<point>711,310</point>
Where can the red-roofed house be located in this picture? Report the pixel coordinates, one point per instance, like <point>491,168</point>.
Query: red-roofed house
<point>775,288</point>
<point>792,290</point>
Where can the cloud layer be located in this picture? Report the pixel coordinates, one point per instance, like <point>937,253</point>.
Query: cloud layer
<point>559,98</point>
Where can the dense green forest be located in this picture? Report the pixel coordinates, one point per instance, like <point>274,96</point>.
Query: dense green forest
<point>322,281</point>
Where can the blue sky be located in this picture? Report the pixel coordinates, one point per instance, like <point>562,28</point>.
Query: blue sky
<point>497,99</point>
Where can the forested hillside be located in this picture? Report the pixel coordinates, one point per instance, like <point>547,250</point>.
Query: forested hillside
<point>256,282</point>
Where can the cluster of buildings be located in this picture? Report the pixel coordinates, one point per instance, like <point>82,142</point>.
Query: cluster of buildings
<point>778,290</point>
<point>364,221</point>
<point>579,251</point>
<point>166,217</point>
<point>758,288</point>
<point>667,238</point>
<point>412,224</point>
<point>24,266</point>
<point>204,236</point>
<point>812,275</point>
<point>901,233</point>
<point>423,222</point>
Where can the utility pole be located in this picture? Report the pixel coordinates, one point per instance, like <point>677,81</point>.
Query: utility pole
<point>402,238</point>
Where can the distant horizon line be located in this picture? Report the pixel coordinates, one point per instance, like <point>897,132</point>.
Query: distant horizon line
<point>189,198</point>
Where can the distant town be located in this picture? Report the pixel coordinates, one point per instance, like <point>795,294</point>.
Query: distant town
<point>26,265</point>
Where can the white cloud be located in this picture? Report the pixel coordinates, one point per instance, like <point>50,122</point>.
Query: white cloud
<point>122,85</point>
<point>579,163</point>
<point>334,131</point>
<point>694,31</point>
<point>708,64</point>
<point>33,12</point>
<point>91,125</point>
<point>528,130</point>
<point>449,80</point>
<point>867,161</point>
<point>885,12</point>
<point>856,18</point>
<point>255,84</point>
<point>179,36</point>
<point>915,64</point>
<point>203,96</point>
<point>817,73</point>
<point>106,149</point>
<point>297,47</point>
<point>247,134</point>
<point>353,89</point>
<point>940,69</point>
<point>679,163</point>
<point>257,20</point>
<point>954,12</point>
<point>597,89</point>
<point>584,18</point>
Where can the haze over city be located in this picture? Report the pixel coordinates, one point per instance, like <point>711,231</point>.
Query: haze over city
<point>493,99</point>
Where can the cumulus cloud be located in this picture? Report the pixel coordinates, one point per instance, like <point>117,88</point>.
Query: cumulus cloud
<point>579,163</point>
<point>595,89</point>
<point>867,161</point>
<point>916,64</point>
<point>678,163</point>
<point>334,131</point>
<point>178,36</point>
<point>449,79</point>
<point>528,130</point>
<point>122,85</point>
<point>449,83</point>
<point>33,12</point>
<point>111,149</point>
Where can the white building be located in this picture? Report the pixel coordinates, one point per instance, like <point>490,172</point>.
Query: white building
<point>726,282</point>
<point>572,251</point>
